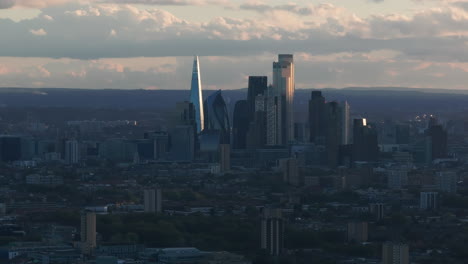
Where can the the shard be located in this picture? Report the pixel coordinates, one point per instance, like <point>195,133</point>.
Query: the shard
<point>196,97</point>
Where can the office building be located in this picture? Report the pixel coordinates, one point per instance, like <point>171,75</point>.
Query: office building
<point>152,200</point>
<point>272,240</point>
<point>183,142</point>
<point>274,121</point>
<point>377,210</point>
<point>395,253</point>
<point>402,134</point>
<point>438,140</point>
<point>290,170</point>
<point>241,123</point>
<point>160,144</point>
<point>257,86</point>
<point>447,181</point>
<point>428,201</point>
<point>2,209</point>
<point>225,157</point>
<point>283,89</point>
<point>196,97</point>
<point>345,126</point>
<point>10,148</point>
<point>328,126</point>
<point>317,118</point>
<point>365,145</point>
<point>72,152</point>
<point>397,178</point>
<point>217,116</point>
<point>88,232</point>
<point>333,133</point>
<point>357,232</point>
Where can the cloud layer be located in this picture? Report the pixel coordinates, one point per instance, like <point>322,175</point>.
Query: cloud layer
<point>427,47</point>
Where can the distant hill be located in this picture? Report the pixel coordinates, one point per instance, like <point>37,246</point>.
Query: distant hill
<point>363,100</point>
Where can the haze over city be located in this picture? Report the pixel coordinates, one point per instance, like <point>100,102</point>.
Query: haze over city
<point>149,44</point>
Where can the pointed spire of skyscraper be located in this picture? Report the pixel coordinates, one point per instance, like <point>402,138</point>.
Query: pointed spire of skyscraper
<point>196,97</point>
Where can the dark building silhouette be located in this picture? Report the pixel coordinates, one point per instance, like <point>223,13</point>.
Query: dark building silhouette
<point>257,86</point>
<point>241,122</point>
<point>160,144</point>
<point>272,226</point>
<point>183,133</point>
<point>10,148</point>
<point>332,138</point>
<point>328,125</point>
<point>256,136</point>
<point>317,119</point>
<point>217,116</point>
<point>183,143</point>
<point>402,133</point>
<point>365,144</point>
<point>438,141</point>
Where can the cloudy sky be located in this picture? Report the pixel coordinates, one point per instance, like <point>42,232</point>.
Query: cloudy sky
<point>149,44</point>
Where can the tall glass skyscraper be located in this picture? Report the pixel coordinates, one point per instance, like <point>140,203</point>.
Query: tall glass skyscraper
<point>217,117</point>
<point>283,89</point>
<point>196,97</point>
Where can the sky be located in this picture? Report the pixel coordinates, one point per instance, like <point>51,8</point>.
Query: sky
<point>149,44</point>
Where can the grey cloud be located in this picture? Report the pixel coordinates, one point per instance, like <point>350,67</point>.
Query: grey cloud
<point>156,33</point>
<point>169,2</point>
<point>6,4</point>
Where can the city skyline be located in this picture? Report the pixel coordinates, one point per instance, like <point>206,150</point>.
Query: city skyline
<point>135,45</point>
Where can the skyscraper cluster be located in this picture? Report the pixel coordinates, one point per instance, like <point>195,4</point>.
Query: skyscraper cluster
<point>266,118</point>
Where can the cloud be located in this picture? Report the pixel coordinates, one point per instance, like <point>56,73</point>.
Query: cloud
<point>32,3</point>
<point>6,4</point>
<point>171,2</point>
<point>337,44</point>
<point>38,32</point>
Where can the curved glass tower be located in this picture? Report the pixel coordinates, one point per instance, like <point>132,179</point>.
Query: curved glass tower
<point>196,97</point>
<point>217,116</point>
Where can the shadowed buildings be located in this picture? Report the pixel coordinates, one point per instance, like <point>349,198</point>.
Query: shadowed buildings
<point>328,125</point>
<point>241,122</point>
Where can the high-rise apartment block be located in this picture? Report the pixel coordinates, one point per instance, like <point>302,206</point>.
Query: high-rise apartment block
<point>428,201</point>
<point>358,232</point>
<point>272,239</point>
<point>152,200</point>
<point>88,232</point>
<point>395,253</point>
<point>72,152</point>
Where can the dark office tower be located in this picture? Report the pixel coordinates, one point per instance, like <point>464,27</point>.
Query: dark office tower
<point>216,116</point>
<point>183,143</point>
<point>432,122</point>
<point>402,132</point>
<point>160,144</point>
<point>185,114</point>
<point>225,157</point>
<point>10,148</point>
<point>256,137</point>
<point>377,210</point>
<point>333,133</point>
<point>241,121</point>
<point>438,141</point>
<point>272,239</point>
<point>257,86</point>
<point>365,145</point>
<point>317,119</point>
